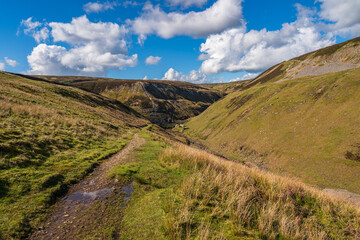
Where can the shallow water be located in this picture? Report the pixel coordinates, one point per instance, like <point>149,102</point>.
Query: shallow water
<point>90,196</point>
<point>128,192</point>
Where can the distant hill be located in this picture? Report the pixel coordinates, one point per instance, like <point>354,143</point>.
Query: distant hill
<point>293,123</point>
<point>161,101</point>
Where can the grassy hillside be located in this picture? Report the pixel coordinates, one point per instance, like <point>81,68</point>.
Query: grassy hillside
<point>51,136</point>
<point>307,127</point>
<point>184,193</point>
<point>161,101</point>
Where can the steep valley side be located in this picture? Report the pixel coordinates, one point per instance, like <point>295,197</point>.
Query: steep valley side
<point>306,127</point>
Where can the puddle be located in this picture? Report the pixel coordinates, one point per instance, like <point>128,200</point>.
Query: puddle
<point>90,196</point>
<point>128,192</point>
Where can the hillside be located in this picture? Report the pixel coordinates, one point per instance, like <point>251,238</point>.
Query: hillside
<point>305,127</point>
<point>123,178</point>
<point>161,101</point>
<point>51,136</point>
<point>226,87</point>
<point>334,58</point>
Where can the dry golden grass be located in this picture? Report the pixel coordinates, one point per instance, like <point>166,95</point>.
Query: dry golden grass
<point>224,199</point>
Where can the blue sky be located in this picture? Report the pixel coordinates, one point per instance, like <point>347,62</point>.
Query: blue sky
<point>189,40</point>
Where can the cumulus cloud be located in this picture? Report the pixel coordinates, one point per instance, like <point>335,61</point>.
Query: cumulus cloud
<point>152,60</point>
<point>237,50</point>
<point>2,66</point>
<point>35,29</point>
<point>105,35</point>
<point>94,49</point>
<point>194,76</point>
<point>95,7</point>
<point>10,62</point>
<point>222,15</point>
<point>343,15</point>
<point>187,3</point>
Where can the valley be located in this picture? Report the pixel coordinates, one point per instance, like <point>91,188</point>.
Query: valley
<point>274,157</point>
<point>163,102</point>
<point>299,126</point>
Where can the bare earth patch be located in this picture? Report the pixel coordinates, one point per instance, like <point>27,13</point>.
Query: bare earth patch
<point>89,202</point>
<point>344,195</point>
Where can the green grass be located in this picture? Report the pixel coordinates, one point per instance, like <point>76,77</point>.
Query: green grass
<point>302,127</point>
<point>196,195</point>
<point>153,180</point>
<point>51,136</point>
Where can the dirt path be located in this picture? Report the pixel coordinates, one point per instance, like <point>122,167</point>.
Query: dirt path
<point>85,207</point>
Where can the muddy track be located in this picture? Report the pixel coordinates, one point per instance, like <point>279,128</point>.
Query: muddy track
<point>74,214</point>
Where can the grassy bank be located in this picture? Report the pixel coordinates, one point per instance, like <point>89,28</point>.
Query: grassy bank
<point>184,193</point>
<point>226,200</point>
<point>51,136</point>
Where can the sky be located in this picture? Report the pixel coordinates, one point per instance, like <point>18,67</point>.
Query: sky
<point>188,40</point>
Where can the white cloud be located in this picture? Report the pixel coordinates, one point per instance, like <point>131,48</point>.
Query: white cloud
<point>146,78</point>
<point>10,62</point>
<point>245,77</point>
<point>172,74</point>
<point>187,3</point>
<point>2,66</point>
<point>222,15</point>
<point>30,24</point>
<point>141,39</point>
<point>95,7</point>
<point>41,35</point>
<point>236,50</point>
<point>94,49</point>
<point>35,29</point>
<point>152,60</point>
<point>105,35</point>
<point>128,3</point>
<point>344,15</point>
<point>194,76</point>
